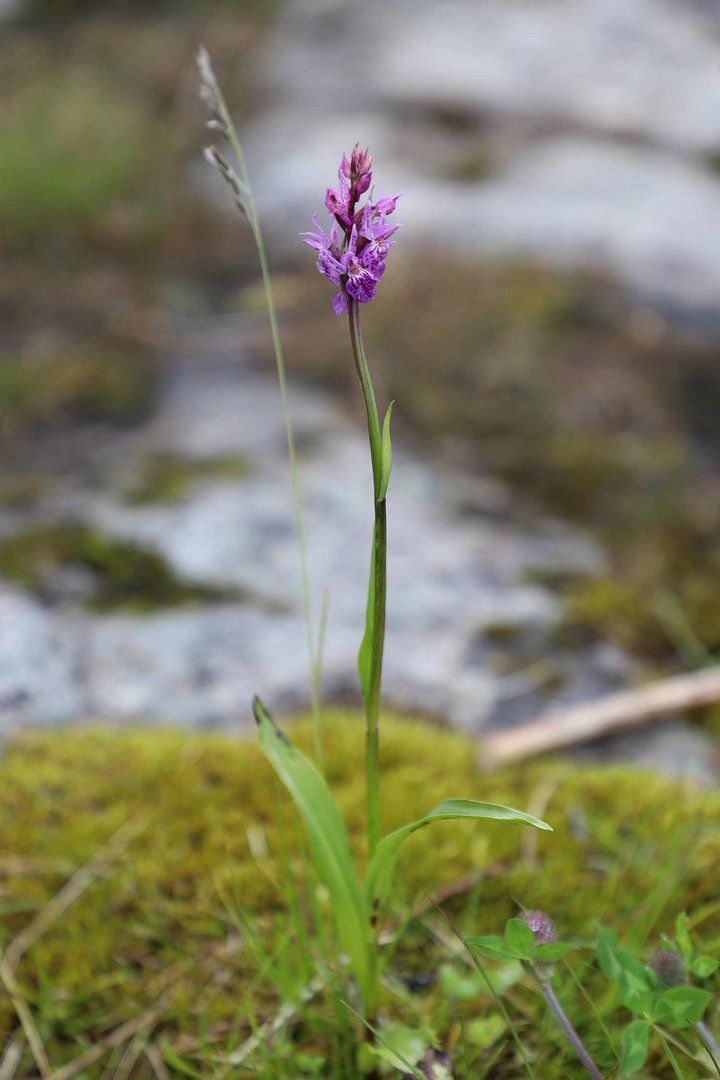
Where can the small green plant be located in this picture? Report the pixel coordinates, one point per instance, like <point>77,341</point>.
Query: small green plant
<point>659,995</point>
<point>533,942</point>
<point>353,258</point>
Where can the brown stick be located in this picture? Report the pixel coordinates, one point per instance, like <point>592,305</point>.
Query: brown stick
<point>580,723</point>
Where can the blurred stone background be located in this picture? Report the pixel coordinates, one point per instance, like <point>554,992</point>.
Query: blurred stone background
<point>548,326</point>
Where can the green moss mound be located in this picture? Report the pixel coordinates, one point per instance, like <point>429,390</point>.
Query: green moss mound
<point>122,575</point>
<point>208,899</point>
<point>166,479</point>
<point>106,384</point>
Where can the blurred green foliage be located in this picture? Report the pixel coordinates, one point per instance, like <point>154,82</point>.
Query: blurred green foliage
<point>122,574</point>
<point>164,478</point>
<point>66,153</point>
<point>107,384</point>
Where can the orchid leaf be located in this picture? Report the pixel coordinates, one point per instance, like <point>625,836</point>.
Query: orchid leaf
<point>386,455</point>
<point>327,838</point>
<point>381,867</point>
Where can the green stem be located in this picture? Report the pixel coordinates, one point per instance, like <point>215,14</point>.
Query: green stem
<point>373,419</point>
<point>372,737</point>
<point>378,589</point>
<point>254,222</point>
<point>669,1054</point>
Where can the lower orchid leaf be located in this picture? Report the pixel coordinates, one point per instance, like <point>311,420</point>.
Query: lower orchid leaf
<point>381,866</point>
<point>328,841</point>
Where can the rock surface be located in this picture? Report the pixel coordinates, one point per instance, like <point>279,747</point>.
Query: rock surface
<point>578,132</point>
<point>455,580</point>
<point>581,133</point>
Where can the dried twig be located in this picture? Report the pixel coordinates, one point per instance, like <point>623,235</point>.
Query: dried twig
<point>68,894</point>
<point>7,977</point>
<point>144,1022</point>
<point>580,723</point>
<point>11,1059</point>
<point>130,1057</point>
<point>270,1028</point>
<point>156,1062</point>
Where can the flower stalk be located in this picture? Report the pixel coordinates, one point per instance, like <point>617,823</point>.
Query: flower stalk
<point>352,256</point>
<point>374,642</point>
<point>564,1024</point>
<point>220,121</point>
<point>544,933</point>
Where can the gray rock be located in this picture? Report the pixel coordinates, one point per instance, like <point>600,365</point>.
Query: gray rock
<point>42,677</point>
<point>648,69</point>
<point>596,117</point>
<point>672,747</point>
<point>450,575</point>
<point>468,633</point>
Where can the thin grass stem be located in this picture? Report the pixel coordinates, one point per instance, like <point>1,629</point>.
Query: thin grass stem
<point>254,222</point>
<point>669,1054</point>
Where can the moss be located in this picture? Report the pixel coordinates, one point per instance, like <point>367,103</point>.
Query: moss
<point>167,903</point>
<point>168,479</point>
<point>501,633</point>
<point>710,719</point>
<point>52,11</point>
<point>108,384</point>
<point>22,490</point>
<point>122,575</point>
<point>661,602</point>
<point>471,167</point>
<point>614,610</point>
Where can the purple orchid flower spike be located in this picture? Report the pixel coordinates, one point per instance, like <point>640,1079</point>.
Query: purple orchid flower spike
<point>352,256</point>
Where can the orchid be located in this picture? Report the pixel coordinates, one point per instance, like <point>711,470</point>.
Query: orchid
<point>352,255</point>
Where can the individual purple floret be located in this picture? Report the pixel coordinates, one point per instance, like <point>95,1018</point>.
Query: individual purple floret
<point>352,255</point>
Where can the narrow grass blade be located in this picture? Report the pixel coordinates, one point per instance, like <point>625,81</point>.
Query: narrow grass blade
<point>374,1031</point>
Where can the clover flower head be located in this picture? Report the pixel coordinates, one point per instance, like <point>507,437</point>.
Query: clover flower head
<point>541,925</point>
<point>352,255</point>
<point>669,968</point>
